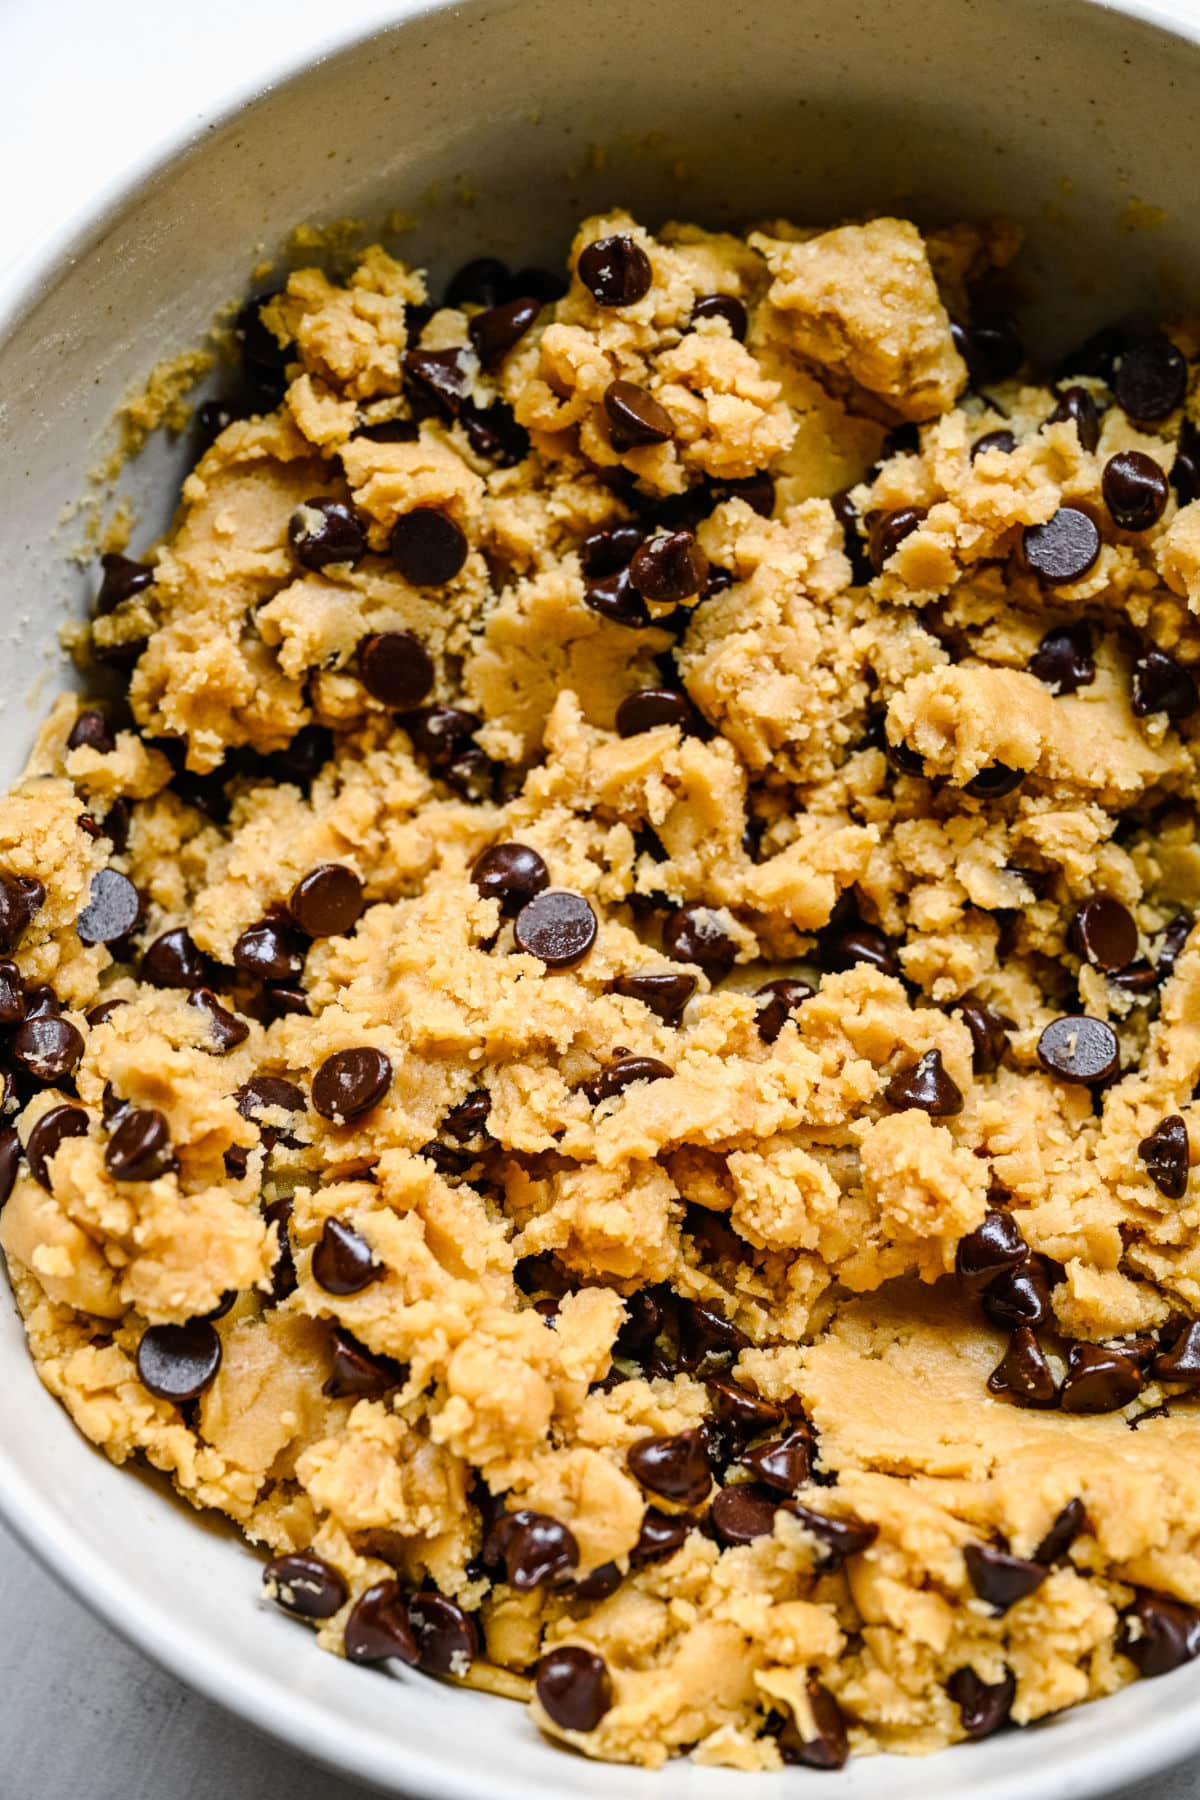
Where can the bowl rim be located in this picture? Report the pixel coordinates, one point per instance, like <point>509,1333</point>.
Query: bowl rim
<point>151,1626</point>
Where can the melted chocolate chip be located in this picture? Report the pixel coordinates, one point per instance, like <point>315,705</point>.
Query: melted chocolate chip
<point>1103,933</point>
<point>827,1746</point>
<point>53,1128</point>
<point>1000,1578</point>
<point>1020,1296</point>
<point>324,533</point>
<point>173,960</point>
<point>723,306</point>
<point>1023,1375</point>
<point>887,531</point>
<point>1158,1634</point>
<point>693,933</point>
<point>1151,378</point>
<point>669,568</point>
<point>1064,660</point>
<point>469,1118</point>
<point>778,1002</point>
<point>343,1262</point>
<point>739,1412</point>
<point>665,994</point>
<point>783,1463</point>
<point>305,1585</point>
<point>615,270</point>
<point>675,1467</point>
<point>447,1637</point>
<point>513,874</point>
<point>46,1047</point>
<point>140,1147</point>
<point>1062,1533</point>
<point>271,951</point>
<point>647,708</point>
<point>574,1687</point>
<point>623,1071</point>
<point>989,1033</point>
<point>1076,405</point>
<point>839,1538</point>
<point>557,927</point>
<point>705,1333</point>
<point>1099,1379</point>
<point>495,332</point>
<point>1181,1361</point>
<point>926,1085</point>
<point>1079,1049</point>
<point>429,550</point>
<point>377,1628</point>
<point>992,1249</point>
<point>1064,548</point>
<point>328,901</point>
<point>177,1362</point>
<point>21,897</point>
<point>744,1512</point>
<point>983,1706</point>
<point>1135,490</point>
<point>1165,1153</point>
<point>1160,684</point>
<point>351,1082</point>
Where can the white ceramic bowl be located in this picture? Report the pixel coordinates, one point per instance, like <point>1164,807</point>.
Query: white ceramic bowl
<point>480,118</point>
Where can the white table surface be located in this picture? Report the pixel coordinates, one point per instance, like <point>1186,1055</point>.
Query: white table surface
<point>83,89</point>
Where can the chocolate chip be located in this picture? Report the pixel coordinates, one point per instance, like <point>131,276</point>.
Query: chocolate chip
<point>887,531</point>
<point>377,1628</point>
<point>10,1157</point>
<point>1158,1634</point>
<point>350,1082</point>
<point>779,1001</point>
<point>323,533</point>
<point>177,1362</point>
<point>21,897</point>
<point>647,708</point>
<point>1140,979</point>
<point>1004,441</point>
<point>635,416</point>
<point>343,1262</point>
<point>1063,1531</point>
<point>1079,1049</point>
<point>264,358</point>
<point>429,549</point>
<point>660,1536</point>
<point>1097,355</point>
<point>439,733</point>
<point>41,1002</point>
<point>706,1333</point>
<point>847,518</point>
<point>140,1147</point>
<point>842,950</point>
<point>91,731</point>
<point>53,1128</point>
<point>1064,660</point>
<point>740,1412</point>
<point>993,1248</point>
<point>447,1637</point>
<point>990,346</point>
<point>1064,548</point>
<point>783,1463</point>
<point>210,419</point>
<point>999,1578</point>
<point>121,580</point>
<point>173,960</point>
<point>270,951</point>
<point>472,774</point>
<point>1020,1296</point>
<point>723,306</point>
<point>1076,405</point>
<point>607,552</point>
<point>994,782</point>
<point>989,1033</point>
<point>665,995</point>
<point>1160,684</point>
<point>574,1687</point>
<point>12,995</point>
<point>112,911</point>
<point>305,756</point>
<point>983,1706</point>
<point>601,1584</point>
<point>328,901</point>
<point>536,1549</point>
<point>693,933</point>
<point>1135,490</point>
<point>358,1374</point>
<point>1023,1375</point>
<point>1165,1153</point>
<point>1099,1379</point>
<point>828,1746</point>
<point>669,568</point>
<point>623,1071</point>
<point>926,1085</point>
<point>1181,1362</point>
<point>481,282</point>
<point>615,270</point>
<point>283,1273</point>
<point>1174,937</point>
<point>1185,470</point>
<point>557,927</point>
<point>305,1585</point>
<point>437,380</point>
<point>675,1467</point>
<point>496,331</point>
<point>839,1538</point>
<point>546,285</point>
<point>513,874</point>
<point>744,1512</point>
<point>469,1118</point>
<point>1151,378</point>
<point>616,599</point>
<point>48,1048</point>
<point>1103,933</point>
<point>263,1093</point>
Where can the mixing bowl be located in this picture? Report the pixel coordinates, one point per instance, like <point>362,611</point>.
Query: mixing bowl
<point>496,125</point>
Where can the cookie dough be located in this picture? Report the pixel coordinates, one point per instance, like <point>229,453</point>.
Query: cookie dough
<point>602,1026</point>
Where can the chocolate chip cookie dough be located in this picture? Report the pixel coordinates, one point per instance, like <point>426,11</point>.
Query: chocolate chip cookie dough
<point>600,1046</point>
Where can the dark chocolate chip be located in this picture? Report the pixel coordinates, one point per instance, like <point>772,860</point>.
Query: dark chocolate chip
<point>1064,660</point>
<point>1079,1049</point>
<point>350,1082</point>
<point>1064,548</point>
<point>1097,355</point>
<point>1160,684</point>
<point>1103,933</point>
<point>1023,1375</point>
<point>1135,490</point>
<point>439,733</point>
<point>616,599</point>
<point>140,1147</point>
<point>994,782</point>
<point>615,270</point>
<point>1004,441</point>
<point>41,1002</point>
<point>121,580</point>
<point>177,1362</point>
<point>429,549</point>
<point>264,358</point>
<point>10,1157</point>
<point>847,517</point>
<point>723,306</point>
<point>283,1273</point>
<point>675,1467</point>
<point>600,1584</point>
<point>1151,378</point>
<point>495,332</point>
<point>887,531</point>
<point>999,1577</point>
<point>271,951</point>
<point>647,708</point>
<point>839,1538</point>
<point>112,911</point>
<point>305,756</point>
<point>624,1071</point>
<point>1076,404</point>
<point>173,960</point>
<point>779,1001</point>
<point>664,994</point>
<point>1174,937</point>
<point>705,1332</point>
<point>12,995</point>
<point>661,1535</point>
<point>635,417</point>
<point>472,774</point>
<point>1181,1361</point>
<point>842,949</point>
<point>983,1706</point>
<point>556,926</point>
<point>323,533</point>
<point>263,1093</point>
<point>91,731</point>
<point>1140,979</point>
<point>46,1047</point>
<point>447,1637</point>
<point>53,1128</point>
<point>1158,1633</point>
<point>744,1512</point>
<point>469,1118</point>
<point>1020,1296</point>
<point>343,1262</point>
<point>513,874</point>
<point>739,1412</point>
<point>377,1628</point>
<point>536,1550</point>
<point>989,1033</point>
<point>1064,1529</point>
<point>990,346</point>
<point>328,901</point>
<point>484,281</point>
<point>1099,1379</point>
<point>437,379</point>
<point>609,551</point>
<point>693,933</point>
<point>828,1745</point>
<point>1185,470</point>
<point>574,1687</point>
<point>546,285</point>
<point>1165,1153</point>
<point>783,1463</point>
<point>210,419</point>
<point>993,1248</point>
<point>927,1085</point>
<point>669,568</point>
<point>357,1373</point>
<point>305,1585</point>
<point>21,897</point>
